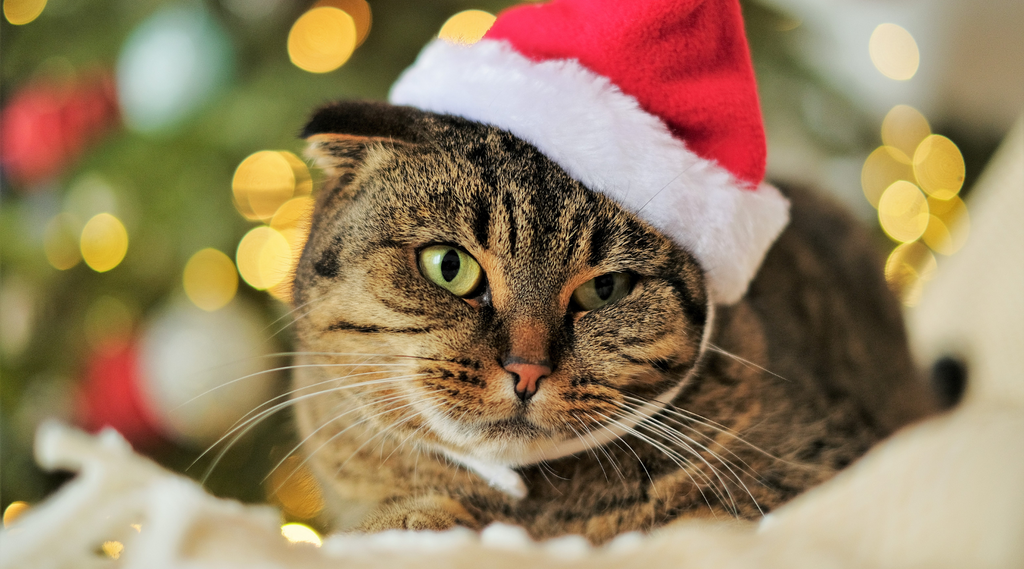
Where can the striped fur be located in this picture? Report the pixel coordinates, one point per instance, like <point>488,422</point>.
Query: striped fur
<point>402,374</point>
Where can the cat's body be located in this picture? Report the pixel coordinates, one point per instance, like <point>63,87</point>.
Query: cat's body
<point>403,384</point>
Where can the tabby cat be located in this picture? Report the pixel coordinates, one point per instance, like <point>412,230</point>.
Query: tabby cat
<point>485,339</point>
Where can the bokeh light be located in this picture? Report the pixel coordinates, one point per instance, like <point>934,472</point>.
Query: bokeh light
<point>467,27</point>
<point>171,66</point>
<point>13,511</point>
<point>301,533</point>
<point>60,241</point>
<point>293,486</point>
<point>939,167</point>
<point>360,12</point>
<point>322,39</point>
<point>903,128</point>
<point>908,267</point>
<point>113,549</point>
<point>267,179</point>
<point>894,52</point>
<point>104,242</point>
<point>787,24</point>
<point>948,226</point>
<point>21,12</point>
<point>882,167</point>
<point>210,279</point>
<point>292,222</point>
<point>263,257</point>
<point>903,211</point>
<point>108,324</point>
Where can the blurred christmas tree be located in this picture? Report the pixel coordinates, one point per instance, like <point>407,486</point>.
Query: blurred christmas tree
<point>123,126</point>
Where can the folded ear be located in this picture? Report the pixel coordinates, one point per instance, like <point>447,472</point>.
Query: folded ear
<point>339,134</point>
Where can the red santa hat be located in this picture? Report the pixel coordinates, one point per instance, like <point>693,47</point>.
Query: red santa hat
<point>652,103</point>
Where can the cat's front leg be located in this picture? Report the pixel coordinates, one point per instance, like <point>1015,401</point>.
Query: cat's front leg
<point>434,512</point>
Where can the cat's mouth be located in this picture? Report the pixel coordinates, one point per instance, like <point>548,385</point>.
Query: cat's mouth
<point>503,440</point>
<point>517,427</point>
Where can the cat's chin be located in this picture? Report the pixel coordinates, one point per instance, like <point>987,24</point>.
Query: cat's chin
<point>513,441</point>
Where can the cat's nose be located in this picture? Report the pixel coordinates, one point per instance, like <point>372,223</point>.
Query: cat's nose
<point>526,376</point>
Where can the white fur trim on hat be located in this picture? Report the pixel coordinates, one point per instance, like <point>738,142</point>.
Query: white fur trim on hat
<point>604,140</point>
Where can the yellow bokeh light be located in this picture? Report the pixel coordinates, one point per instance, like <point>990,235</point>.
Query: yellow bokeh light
<point>301,533</point>
<point>467,27</point>
<point>262,182</point>
<point>903,211</point>
<point>903,128</point>
<point>108,324</point>
<point>939,167</point>
<point>267,179</point>
<point>113,549</point>
<point>894,52</point>
<point>13,511</point>
<point>21,12</point>
<point>104,242</point>
<point>293,486</point>
<point>60,241</point>
<point>303,179</point>
<point>322,39</point>
<point>360,12</point>
<point>908,267</point>
<point>948,226</point>
<point>882,167</point>
<point>292,221</point>
<point>210,279</point>
<point>264,258</point>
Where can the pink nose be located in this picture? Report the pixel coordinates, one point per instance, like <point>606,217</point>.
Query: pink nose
<point>527,376</point>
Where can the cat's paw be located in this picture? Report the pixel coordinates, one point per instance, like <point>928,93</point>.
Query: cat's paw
<point>436,513</point>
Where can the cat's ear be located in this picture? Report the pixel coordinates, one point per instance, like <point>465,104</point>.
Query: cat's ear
<point>339,134</point>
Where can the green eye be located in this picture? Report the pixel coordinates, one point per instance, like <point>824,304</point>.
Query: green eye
<point>451,268</point>
<point>602,290</point>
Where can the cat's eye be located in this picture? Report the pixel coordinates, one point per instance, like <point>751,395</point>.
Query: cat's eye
<point>602,290</point>
<point>451,268</point>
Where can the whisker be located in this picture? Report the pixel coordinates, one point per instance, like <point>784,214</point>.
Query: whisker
<point>379,433</point>
<point>746,468</point>
<point>327,423</point>
<point>678,438</point>
<point>679,460</point>
<point>330,380</point>
<point>643,422</point>
<point>587,446</point>
<point>272,370</point>
<point>604,451</point>
<point>401,444</point>
<point>289,313</point>
<point>343,431</point>
<point>749,364</point>
<point>691,416</point>
<point>289,393</point>
<point>248,425</point>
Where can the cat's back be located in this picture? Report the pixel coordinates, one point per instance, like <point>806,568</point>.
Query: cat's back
<point>831,325</point>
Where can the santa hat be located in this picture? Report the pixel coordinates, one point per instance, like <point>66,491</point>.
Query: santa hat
<point>652,103</point>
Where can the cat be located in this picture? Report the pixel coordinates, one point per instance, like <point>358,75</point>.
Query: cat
<point>484,339</point>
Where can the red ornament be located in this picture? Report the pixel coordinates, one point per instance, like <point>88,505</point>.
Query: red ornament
<point>111,397</point>
<point>47,124</point>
